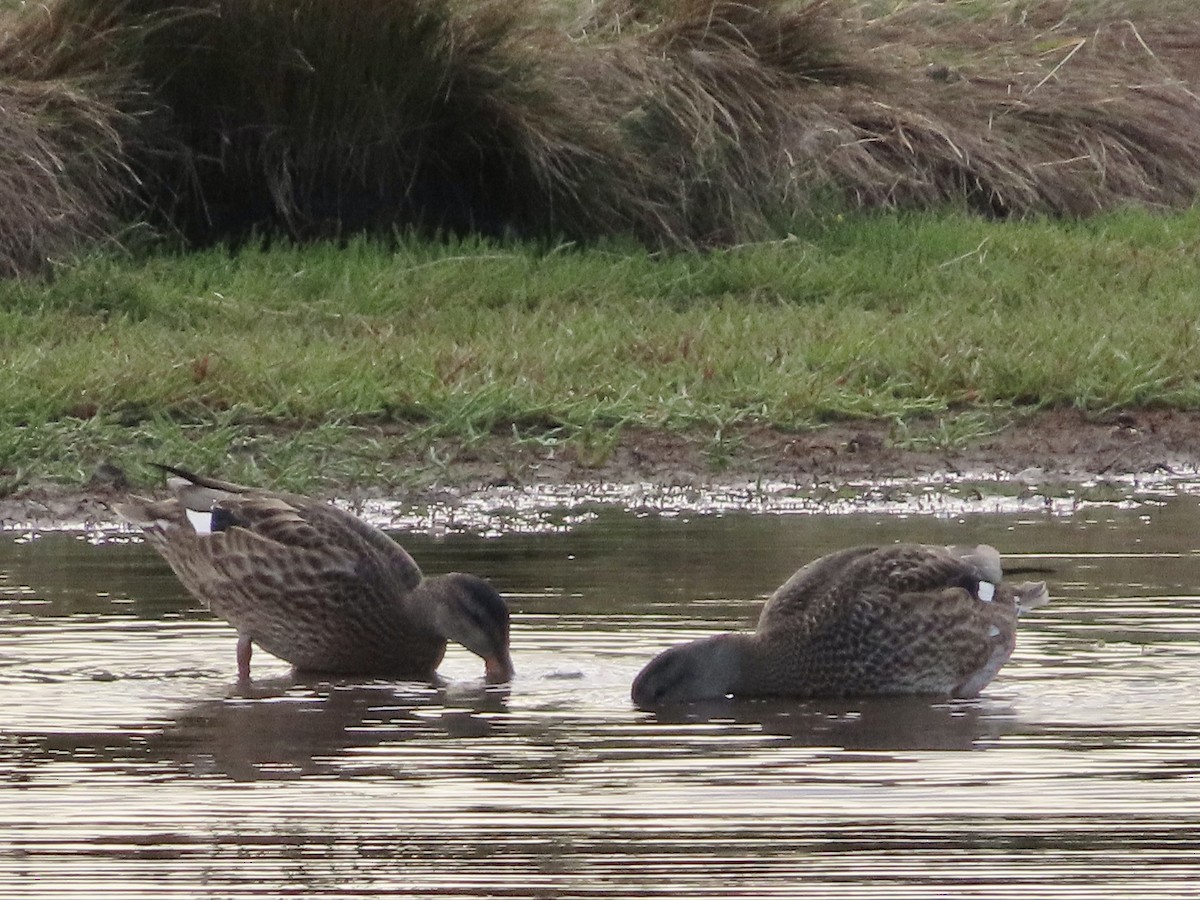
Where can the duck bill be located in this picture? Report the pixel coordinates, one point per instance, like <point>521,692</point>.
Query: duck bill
<point>498,669</point>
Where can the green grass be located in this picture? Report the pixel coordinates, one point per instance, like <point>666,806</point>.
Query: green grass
<point>325,364</point>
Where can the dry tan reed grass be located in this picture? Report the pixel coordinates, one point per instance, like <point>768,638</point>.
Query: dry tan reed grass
<point>682,122</point>
<point>713,88</point>
<point>1058,108</point>
<point>69,109</point>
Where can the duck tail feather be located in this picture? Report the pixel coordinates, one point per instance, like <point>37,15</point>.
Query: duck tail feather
<point>200,480</point>
<point>1031,595</point>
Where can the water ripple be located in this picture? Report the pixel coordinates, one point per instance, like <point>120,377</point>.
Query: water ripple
<point>131,766</point>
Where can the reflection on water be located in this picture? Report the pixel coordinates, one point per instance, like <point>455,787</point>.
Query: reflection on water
<point>130,764</point>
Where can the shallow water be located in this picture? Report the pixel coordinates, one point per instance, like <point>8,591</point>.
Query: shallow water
<point>128,766</point>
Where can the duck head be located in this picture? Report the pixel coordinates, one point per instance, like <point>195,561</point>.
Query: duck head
<point>706,669</point>
<point>469,611</point>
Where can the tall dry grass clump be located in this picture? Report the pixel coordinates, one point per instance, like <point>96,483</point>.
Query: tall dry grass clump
<point>711,90</point>
<point>70,109</point>
<point>321,117</point>
<point>692,122</point>
<point>681,122</point>
<point>318,117</point>
<point>1058,107</point>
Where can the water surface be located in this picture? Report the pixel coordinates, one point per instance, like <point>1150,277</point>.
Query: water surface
<point>130,767</point>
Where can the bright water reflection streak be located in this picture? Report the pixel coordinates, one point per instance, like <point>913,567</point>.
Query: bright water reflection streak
<point>128,770</point>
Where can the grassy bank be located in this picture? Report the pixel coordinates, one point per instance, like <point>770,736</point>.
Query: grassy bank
<point>328,364</point>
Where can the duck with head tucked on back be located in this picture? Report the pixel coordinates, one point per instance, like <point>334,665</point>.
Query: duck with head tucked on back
<point>315,585</point>
<point>902,619</point>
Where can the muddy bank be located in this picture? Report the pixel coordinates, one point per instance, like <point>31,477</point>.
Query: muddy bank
<point>1055,445</point>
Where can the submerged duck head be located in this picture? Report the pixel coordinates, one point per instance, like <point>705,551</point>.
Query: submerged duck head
<point>706,669</point>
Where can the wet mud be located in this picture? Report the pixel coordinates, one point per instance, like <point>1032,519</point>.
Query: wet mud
<point>1055,445</point>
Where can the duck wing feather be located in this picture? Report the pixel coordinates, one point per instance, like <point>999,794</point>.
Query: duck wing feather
<point>880,574</point>
<point>292,520</point>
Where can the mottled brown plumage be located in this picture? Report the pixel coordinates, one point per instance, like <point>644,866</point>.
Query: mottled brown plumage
<point>315,585</point>
<point>902,619</point>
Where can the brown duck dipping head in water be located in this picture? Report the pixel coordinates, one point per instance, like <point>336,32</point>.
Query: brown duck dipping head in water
<point>315,585</point>
<point>867,621</point>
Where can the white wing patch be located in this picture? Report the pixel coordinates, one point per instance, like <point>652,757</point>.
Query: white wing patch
<point>201,521</point>
<point>987,591</point>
